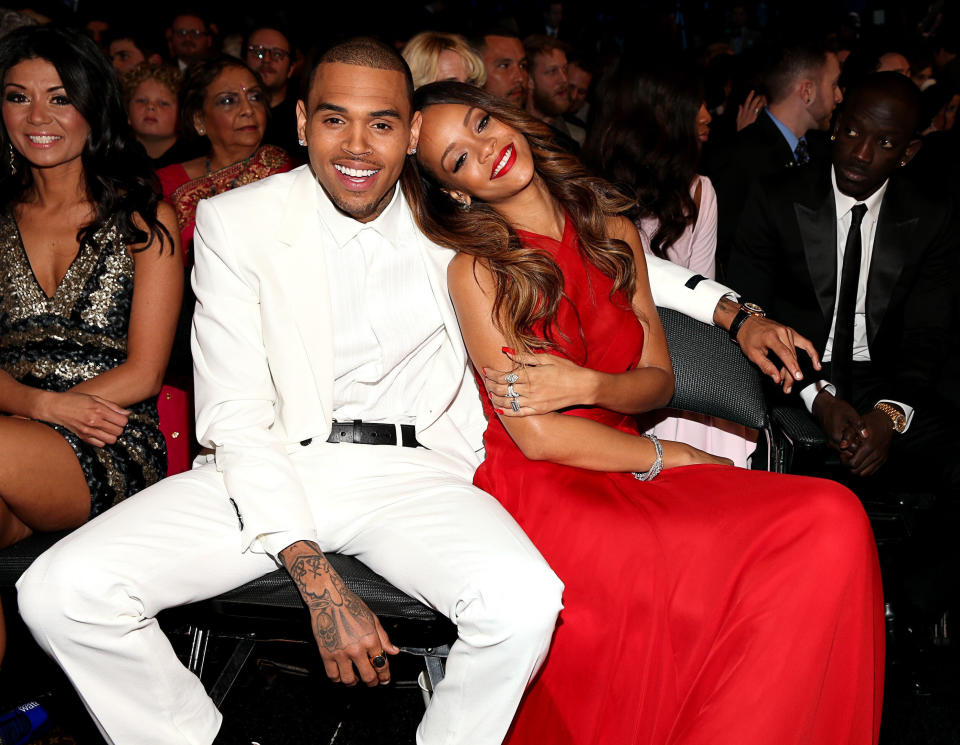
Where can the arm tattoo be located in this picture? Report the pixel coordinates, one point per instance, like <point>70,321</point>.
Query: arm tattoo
<point>339,615</point>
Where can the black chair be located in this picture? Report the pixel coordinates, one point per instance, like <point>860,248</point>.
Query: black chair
<point>714,377</point>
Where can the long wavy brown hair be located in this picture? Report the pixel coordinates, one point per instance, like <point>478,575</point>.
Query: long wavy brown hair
<point>528,282</point>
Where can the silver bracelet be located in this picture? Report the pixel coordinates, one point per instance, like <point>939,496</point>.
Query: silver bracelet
<point>657,464</point>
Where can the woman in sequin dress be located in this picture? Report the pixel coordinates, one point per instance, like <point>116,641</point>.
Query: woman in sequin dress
<point>90,288</point>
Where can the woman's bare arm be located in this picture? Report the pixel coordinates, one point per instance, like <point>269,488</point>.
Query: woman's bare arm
<point>568,440</point>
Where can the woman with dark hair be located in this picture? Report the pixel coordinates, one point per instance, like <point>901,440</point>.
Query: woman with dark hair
<point>223,101</point>
<point>647,140</point>
<point>90,286</point>
<point>702,603</point>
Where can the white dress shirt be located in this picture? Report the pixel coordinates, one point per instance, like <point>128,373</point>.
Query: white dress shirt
<point>868,229</point>
<point>387,326</point>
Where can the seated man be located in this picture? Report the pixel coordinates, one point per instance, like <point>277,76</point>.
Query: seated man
<point>319,300</point>
<point>857,259</point>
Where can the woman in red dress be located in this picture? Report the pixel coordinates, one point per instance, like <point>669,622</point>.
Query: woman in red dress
<point>703,603</point>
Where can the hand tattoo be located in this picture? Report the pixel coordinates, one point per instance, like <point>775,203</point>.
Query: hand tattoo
<point>339,615</point>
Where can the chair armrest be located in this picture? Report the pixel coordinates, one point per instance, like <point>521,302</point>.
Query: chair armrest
<point>798,427</point>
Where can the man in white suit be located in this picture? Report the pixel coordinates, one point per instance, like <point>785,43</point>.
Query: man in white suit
<point>319,301</point>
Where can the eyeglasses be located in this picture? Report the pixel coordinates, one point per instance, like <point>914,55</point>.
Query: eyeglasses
<point>183,33</point>
<point>275,53</point>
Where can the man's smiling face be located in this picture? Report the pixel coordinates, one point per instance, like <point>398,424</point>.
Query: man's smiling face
<point>358,126</point>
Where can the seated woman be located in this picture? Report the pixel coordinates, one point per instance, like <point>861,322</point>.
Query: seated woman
<point>223,101</point>
<point>647,138</point>
<point>436,56</point>
<point>90,287</point>
<point>150,96</point>
<point>703,604</point>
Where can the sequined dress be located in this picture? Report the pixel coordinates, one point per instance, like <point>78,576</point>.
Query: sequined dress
<point>55,343</point>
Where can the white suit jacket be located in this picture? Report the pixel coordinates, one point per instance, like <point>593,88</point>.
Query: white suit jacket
<point>263,346</point>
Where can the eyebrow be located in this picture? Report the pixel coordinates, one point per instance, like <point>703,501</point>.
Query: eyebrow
<point>49,90</point>
<point>450,147</point>
<point>379,114</point>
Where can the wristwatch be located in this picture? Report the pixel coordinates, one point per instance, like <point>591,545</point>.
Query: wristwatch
<point>746,310</point>
<point>896,416</point>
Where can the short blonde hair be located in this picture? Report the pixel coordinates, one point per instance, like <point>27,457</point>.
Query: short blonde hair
<point>422,53</point>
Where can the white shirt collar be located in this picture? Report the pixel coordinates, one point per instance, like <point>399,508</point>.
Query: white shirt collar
<point>345,228</point>
<point>845,202</point>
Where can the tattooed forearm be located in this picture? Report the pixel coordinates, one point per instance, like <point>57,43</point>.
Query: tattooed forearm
<point>338,614</point>
<point>725,311</point>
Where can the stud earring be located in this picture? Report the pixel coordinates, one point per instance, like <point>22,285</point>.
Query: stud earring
<point>903,163</point>
<point>303,143</point>
<point>201,131</point>
<point>413,151</point>
<point>833,138</point>
<point>465,206</point>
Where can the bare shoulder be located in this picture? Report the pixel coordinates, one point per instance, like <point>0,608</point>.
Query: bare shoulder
<point>622,228</point>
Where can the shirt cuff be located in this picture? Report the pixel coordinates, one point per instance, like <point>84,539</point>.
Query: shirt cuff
<point>810,392</point>
<point>274,543</point>
<point>907,410</point>
<point>679,289</point>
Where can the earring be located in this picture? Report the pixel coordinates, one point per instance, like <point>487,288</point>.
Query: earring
<point>12,157</point>
<point>833,138</point>
<point>413,151</point>
<point>463,205</point>
<point>201,131</point>
<point>303,143</point>
<point>903,163</point>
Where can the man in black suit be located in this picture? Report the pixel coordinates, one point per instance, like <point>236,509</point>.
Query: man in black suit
<point>876,301</point>
<point>801,83</point>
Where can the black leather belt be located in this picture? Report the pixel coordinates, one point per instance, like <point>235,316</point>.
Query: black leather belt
<point>372,433</point>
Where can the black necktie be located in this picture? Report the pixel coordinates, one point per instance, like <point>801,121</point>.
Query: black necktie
<point>801,153</point>
<point>842,357</point>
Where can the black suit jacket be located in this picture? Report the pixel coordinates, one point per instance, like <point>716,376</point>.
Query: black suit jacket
<point>758,152</point>
<point>785,258</point>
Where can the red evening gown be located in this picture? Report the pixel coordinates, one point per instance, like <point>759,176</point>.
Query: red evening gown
<point>713,605</point>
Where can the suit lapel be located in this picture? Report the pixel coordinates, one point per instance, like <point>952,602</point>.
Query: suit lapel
<point>818,234</point>
<point>891,251</point>
<point>303,271</point>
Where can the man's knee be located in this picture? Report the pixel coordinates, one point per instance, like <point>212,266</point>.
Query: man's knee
<point>63,588</point>
<point>512,603</point>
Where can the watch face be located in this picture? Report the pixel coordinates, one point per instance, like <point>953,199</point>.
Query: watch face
<point>753,309</point>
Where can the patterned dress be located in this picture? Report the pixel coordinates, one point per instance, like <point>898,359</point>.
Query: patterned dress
<point>55,343</point>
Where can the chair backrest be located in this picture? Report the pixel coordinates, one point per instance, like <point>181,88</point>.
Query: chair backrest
<point>713,376</point>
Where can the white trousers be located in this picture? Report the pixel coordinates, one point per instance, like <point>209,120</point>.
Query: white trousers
<point>409,514</point>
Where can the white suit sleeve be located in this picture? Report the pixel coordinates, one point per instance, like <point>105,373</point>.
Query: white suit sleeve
<point>686,292</point>
<point>235,395</point>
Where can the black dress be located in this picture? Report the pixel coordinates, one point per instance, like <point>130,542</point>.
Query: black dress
<point>55,343</point>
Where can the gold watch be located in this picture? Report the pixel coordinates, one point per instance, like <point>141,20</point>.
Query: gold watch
<point>896,416</point>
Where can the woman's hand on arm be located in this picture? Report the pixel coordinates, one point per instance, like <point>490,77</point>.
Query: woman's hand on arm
<point>157,294</point>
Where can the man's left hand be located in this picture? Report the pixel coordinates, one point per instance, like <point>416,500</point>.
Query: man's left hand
<point>759,336</point>
<point>873,446</point>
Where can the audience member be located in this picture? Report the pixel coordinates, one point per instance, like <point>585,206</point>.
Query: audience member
<point>547,263</point>
<point>802,92</point>
<point>505,61</point>
<point>945,57</point>
<point>579,80</point>
<point>223,101</point>
<point>89,290</point>
<point>435,55</point>
<point>859,260</point>
<point>269,52</point>
<point>190,39</point>
<point>649,132</point>
<point>12,19</point>
<point>893,62</point>
<point>127,50</point>
<point>150,94</point>
<point>548,98</point>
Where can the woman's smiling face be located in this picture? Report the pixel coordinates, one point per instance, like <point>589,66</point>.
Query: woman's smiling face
<point>472,154</point>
